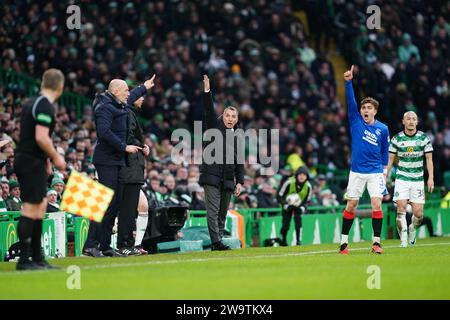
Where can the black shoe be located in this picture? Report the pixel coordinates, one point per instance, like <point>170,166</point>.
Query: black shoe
<point>219,246</point>
<point>45,265</point>
<point>129,251</point>
<point>343,249</point>
<point>93,252</point>
<point>112,253</point>
<point>283,244</point>
<point>28,266</point>
<point>299,243</point>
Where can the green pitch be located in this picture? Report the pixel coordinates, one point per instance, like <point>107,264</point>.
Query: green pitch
<point>307,272</point>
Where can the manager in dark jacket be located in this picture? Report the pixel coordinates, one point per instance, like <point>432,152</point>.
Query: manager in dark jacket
<point>131,177</point>
<point>111,122</point>
<point>219,179</point>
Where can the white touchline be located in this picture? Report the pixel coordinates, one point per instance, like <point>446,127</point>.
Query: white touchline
<point>270,256</point>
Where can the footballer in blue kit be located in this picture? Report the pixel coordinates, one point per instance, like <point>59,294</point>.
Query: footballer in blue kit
<point>370,157</point>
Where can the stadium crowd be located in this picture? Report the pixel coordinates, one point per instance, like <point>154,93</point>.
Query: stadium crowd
<point>259,58</point>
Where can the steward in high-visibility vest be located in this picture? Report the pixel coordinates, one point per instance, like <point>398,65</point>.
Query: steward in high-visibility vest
<point>294,195</point>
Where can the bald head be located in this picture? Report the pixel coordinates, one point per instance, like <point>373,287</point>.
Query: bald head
<point>409,114</point>
<point>119,89</point>
<point>410,122</point>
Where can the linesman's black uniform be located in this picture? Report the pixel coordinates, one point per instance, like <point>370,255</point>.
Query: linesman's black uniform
<point>30,167</point>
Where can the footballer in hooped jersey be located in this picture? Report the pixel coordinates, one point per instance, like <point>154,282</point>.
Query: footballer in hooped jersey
<point>370,155</point>
<point>410,146</point>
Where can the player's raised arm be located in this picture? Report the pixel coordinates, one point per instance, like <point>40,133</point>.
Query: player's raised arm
<point>351,101</point>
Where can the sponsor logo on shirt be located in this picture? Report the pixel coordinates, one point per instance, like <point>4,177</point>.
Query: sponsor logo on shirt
<point>370,137</point>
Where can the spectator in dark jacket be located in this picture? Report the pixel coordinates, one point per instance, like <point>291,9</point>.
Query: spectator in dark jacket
<point>219,179</point>
<point>13,202</point>
<point>111,119</point>
<point>267,197</point>
<point>52,200</point>
<point>131,177</point>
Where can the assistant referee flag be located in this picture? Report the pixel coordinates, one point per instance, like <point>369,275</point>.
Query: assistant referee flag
<point>86,197</point>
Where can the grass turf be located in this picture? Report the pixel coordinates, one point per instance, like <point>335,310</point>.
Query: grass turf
<point>306,272</point>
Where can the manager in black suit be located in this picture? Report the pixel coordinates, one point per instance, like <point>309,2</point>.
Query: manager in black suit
<point>219,179</point>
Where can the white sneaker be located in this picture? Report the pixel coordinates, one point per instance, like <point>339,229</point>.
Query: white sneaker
<point>403,244</point>
<point>412,236</point>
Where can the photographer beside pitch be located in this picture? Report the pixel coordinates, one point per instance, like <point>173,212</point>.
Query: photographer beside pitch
<point>219,179</point>
<point>410,146</point>
<point>370,155</point>
<point>32,165</point>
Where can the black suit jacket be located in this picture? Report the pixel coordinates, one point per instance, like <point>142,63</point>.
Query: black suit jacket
<point>219,174</point>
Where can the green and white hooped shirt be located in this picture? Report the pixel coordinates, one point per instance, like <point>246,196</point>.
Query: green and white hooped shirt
<point>410,151</point>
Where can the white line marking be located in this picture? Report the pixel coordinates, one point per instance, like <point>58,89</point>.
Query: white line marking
<point>293,254</point>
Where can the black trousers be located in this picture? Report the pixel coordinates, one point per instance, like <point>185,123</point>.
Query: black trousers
<point>99,234</point>
<point>216,201</point>
<point>286,215</point>
<point>127,214</point>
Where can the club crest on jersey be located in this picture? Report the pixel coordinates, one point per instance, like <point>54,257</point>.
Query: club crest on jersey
<point>410,149</point>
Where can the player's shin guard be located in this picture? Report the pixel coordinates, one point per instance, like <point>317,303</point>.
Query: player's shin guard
<point>141,226</point>
<point>377,222</point>
<point>347,222</point>
<point>25,232</point>
<point>402,226</point>
<point>36,241</point>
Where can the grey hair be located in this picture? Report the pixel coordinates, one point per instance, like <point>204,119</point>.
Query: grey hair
<point>231,108</point>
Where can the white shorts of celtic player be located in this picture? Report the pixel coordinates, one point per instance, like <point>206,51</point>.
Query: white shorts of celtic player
<point>414,191</point>
<point>376,185</point>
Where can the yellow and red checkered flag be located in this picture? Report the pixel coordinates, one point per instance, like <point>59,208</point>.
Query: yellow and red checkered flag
<point>86,197</point>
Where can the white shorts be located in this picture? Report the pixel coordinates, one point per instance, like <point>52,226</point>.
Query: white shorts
<point>413,191</point>
<point>376,185</point>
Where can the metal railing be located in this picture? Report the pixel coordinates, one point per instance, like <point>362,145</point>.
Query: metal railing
<point>16,81</point>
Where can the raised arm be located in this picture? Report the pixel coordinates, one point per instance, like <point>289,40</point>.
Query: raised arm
<point>352,111</point>
<point>209,113</point>
<point>139,91</point>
